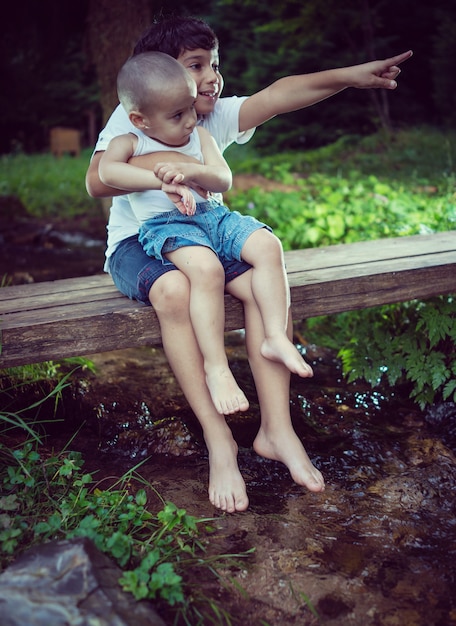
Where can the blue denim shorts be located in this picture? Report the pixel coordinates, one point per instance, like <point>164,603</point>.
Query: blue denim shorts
<point>134,272</point>
<point>213,226</point>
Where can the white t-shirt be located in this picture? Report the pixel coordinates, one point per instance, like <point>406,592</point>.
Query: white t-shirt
<point>222,124</point>
<point>146,204</point>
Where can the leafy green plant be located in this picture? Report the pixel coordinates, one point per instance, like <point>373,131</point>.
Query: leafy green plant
<point>325,210</point>
<point>412,343</point>
<point>53,498</point>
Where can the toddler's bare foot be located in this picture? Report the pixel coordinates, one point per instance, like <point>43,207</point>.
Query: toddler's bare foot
<point>227,489</point>
<point>280,348</point>
<point>227,397</point>
<point>286,447</point>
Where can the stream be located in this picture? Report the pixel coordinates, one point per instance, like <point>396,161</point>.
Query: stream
<point>377,548</point>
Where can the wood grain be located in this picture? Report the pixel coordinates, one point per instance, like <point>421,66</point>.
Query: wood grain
<point>82,316</point>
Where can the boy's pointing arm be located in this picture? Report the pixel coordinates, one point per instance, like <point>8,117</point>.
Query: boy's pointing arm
<point>297,92</point>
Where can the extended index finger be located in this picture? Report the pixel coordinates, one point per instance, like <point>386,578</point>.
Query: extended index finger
<point>400,58</point>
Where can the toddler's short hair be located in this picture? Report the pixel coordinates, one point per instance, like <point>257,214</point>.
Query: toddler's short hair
<point>143,77</point>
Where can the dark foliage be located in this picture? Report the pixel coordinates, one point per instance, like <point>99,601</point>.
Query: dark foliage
<point>48,78</point>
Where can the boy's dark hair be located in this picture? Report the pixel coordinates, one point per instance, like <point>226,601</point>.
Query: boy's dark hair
<point>173,35</point>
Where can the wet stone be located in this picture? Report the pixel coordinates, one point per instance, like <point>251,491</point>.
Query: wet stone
<point>69,583</point>
<point>441,419</point>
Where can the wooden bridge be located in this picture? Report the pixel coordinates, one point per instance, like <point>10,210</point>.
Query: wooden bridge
<point>82,316</point>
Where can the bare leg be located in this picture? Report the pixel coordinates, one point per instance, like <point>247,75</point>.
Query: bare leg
<point>270,288</point>
<point>207,313</point>
<point>170,296</point>
<point>276,438</point>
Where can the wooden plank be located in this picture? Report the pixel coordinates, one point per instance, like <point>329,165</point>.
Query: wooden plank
<point>83,316</point>
<point>347,294</point>
<point>71,337</point>
<point>82,312</point>
<point>100,287</point>
<point>18,299</point>
<point>53,287</point>
<point>443,260</point>
<point>108,298</point>
<point>63,308</point>
<point>87,289</point>
<point>113,330</point>
<point>371,251</point>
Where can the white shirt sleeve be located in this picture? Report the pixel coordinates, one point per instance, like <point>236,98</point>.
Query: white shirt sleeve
<point>223,122</point>
<point>118,124</point>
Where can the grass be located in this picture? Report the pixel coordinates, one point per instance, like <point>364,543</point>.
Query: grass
<point>45,185</point>
<point>415,160</point>
<point>410,156</point>
<point>358,188</point>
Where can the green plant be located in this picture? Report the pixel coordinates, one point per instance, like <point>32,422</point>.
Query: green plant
<point>49,379</point>
<point>52,498</point>
<point>413,343</point>
<point>47,186</point>
<point>324,210</point>
<point>28,418</point>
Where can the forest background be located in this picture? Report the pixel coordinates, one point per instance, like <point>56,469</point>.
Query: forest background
<point>59,60</point>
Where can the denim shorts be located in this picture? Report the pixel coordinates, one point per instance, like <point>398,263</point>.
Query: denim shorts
<point>134,272</point>
<point>213,226</point>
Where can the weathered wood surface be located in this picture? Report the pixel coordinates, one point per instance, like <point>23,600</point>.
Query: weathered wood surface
<point>81,316</point>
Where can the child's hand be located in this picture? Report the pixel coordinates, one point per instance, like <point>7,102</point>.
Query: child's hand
<point>379,74</point>
<point>170,172</point>
<point>181,196</point>
<point>178,173</point>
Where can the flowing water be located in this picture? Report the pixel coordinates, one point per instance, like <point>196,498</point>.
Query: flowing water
<point>378,547</point>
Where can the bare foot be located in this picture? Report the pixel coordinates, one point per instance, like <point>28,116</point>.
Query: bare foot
<point>227,489</point>
<point>281,349</point>
<point>287,448</point>
<point>227,397</point>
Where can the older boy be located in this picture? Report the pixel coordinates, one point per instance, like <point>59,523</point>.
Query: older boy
<point>195,46</point>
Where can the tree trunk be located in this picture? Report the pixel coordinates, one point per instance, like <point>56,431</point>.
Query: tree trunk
<point>379,97</point>
<point>113,29</point>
